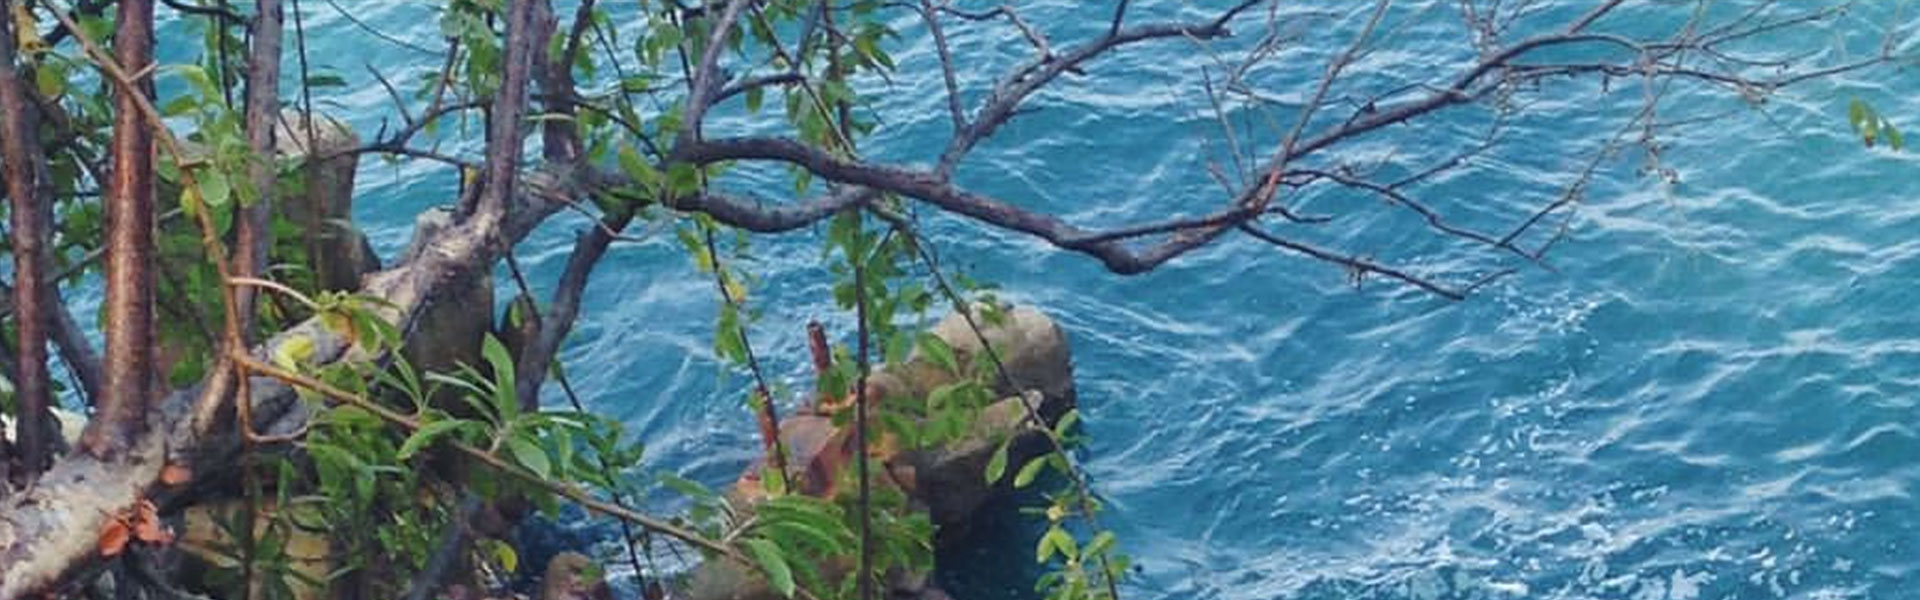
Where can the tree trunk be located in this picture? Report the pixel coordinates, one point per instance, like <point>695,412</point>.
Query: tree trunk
<point>32,217</point>
<point>254,231</point>
<point>129,273</point>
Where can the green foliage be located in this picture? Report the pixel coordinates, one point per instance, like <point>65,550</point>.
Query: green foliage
<point>1872,127</point>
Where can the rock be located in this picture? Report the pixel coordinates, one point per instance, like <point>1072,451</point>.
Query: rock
<point>1034,351</point>
<point>953,479</point>
<point>1028,343</point>
<point>308,554</point>
<point>337,252</point>
<point>573,576</point>
<point>948,482</point>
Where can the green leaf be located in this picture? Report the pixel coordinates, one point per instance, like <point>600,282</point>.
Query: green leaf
<point>503,554</point>
<point>938,352</point>
<point>897,347</point>
<point>326,80</point>
<point>775,480</point>
<point>1066,423</point>
<point>289,354</point>
<point>997,465</point>
<point>639,169</point>
<point>529,455</point>
<point>215,190</point>
<point>819,515</point>
<point>755,95</point>
<point>474,393</point>
<point>97,27</point>
<point>505,397</point>
<point>941,396</point>
<point>426,435</point>
<point>687,486</point>
<point>729,341</point>
<point>1045,549</point>
<point>197,77</point>
<point>179,105</point>
<point>772,563</point>
<point>796,531</point>
<point>51,80</point>
<point>1063,542</point>
<point>1100,544</point>
<point>1029,472</point>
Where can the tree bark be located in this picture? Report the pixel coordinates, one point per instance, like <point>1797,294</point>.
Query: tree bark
<point>128,317</point>
<point>509,108</point>
<point>254,230</point>
<point>32,218</point>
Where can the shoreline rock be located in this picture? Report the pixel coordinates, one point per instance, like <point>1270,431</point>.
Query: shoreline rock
<point>949,483</point>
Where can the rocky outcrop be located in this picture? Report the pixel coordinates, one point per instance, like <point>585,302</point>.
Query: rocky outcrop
<point>1039,365</point>
<point>948,482</point>
<point>321,208</point>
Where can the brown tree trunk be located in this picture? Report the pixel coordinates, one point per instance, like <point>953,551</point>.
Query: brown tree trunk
<point>122,413</point>
<point>32,217</point>
<point>254,231</point>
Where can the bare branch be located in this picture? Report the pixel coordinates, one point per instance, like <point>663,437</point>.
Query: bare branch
<point>701,91</point>
<point>558,320</point>
<point>759,81</point>
<point>1358,266</point>
<point>1396,197</point>
<point>947,75</point>
<point>376,32</point>
<point>930,188</point>
<point>1007,95</point>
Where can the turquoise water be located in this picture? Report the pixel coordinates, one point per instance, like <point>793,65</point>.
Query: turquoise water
<point>1709,394</point>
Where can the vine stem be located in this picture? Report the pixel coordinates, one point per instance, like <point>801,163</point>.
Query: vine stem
<point>769,416</point>
<point>860,425</point>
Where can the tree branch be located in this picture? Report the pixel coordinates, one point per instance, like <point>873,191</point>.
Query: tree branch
<point>701,92</point>
<point>509,108</point>
<point>558,320</point>
<point>931,188</point>
<point>1007,95</point>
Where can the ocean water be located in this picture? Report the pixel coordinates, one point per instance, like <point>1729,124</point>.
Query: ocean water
<point>1708,391</point>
